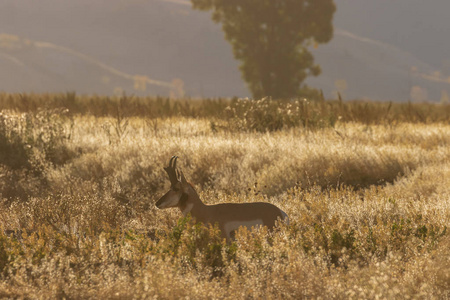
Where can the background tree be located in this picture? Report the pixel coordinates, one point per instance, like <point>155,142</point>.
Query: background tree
<point>271,39</point>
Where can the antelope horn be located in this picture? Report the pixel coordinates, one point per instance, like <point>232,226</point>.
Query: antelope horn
<point>171,170</point>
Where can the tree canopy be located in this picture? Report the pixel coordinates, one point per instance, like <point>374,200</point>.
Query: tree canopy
<point>271,38</point>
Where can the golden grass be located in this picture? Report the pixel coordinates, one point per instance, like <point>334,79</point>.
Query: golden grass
<point>369,206</point>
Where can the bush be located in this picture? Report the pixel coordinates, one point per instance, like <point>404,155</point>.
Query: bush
<point>30,143</point>
<point>273,115</point>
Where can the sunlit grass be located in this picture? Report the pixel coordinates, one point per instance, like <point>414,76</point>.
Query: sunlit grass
<point>369,206</point>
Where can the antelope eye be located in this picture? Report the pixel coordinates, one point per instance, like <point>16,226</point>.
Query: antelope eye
<point>175,188</point>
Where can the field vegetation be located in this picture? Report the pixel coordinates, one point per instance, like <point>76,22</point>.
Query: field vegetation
<point>366,186</point>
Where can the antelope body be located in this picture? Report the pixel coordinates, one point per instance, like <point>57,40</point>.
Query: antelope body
<point>228,216</point>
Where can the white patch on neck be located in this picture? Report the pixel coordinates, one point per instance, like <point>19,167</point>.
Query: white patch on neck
<point>187,209</point>
<point>230,226</point>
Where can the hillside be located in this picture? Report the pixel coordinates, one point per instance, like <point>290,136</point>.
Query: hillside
<point>101,46</point>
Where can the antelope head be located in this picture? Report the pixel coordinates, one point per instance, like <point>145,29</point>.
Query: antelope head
<point>179,187</point>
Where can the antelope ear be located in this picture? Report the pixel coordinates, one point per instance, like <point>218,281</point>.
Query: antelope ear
<point>183,179</point>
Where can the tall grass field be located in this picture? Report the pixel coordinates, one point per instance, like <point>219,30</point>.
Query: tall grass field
<point>366,186</point>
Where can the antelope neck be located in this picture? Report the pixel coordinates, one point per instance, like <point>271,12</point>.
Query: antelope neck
<point>191,204</point>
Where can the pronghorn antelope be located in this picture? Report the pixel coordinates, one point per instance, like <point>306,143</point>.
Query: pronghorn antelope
<point>228,216</point>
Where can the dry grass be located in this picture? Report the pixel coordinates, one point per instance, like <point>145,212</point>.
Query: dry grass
<point>369,206</point>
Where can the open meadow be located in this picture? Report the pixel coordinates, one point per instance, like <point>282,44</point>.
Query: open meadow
<point>366,186</point>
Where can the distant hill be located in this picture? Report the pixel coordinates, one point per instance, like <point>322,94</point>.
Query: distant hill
<point>35,66</point>
<point>359,67</point>
<point>164,47</point>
